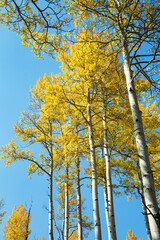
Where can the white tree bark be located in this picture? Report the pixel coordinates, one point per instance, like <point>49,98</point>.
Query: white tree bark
<point>97,224</point>
<point>111,219</point>
<point>106,206</point>
<point>51,235</point>
<point>66,224</point>
<point>147,177</point>
<point>51,205</point>
<point>144,208</point>
<point>79,209</point>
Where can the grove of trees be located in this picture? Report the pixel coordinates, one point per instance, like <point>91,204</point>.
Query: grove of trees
<point>98,118</point>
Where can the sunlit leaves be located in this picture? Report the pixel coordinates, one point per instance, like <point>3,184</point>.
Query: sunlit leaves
<point>11,153</point>
<point>39,24</point>
<point>131,236</point>
<point>17,224</point>
<point>74,235</point>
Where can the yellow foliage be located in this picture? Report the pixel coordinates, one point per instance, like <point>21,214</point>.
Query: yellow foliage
<point>17,224</point>
<point>33,26</point>
<point>131,236</point>
<point>74,236</point>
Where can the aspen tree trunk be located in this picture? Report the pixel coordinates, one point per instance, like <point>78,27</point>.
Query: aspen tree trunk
<point>111,219</point>
<point>144,208</point>
<point>79,202</point>
<point>27,224</point>
<point>97,224</point>
<point>66,224</point>
<point>146,222</point>
<point>54,221</point>
<point>51,237</point>
<point>106,199</point>
<point>106,206</point>
<point>63,225</point>
<point>147,177</point>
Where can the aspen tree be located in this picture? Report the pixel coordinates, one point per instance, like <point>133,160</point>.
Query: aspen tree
<point>120,16</point>
<point>76,152</point>
<point>128,169</point>
<point>83,101</point>
<point>79,199</point>
<point>67,202</point>
<point>71,222</point>
<point>110,205</point>
<point>83,71</point>
<point>17,224</point>
<point>67,143</point>
<point>144,207</point>
<point>97,225</point>
<point>139,84</point>
<point>94,177</point>
<point>66,206</point>
<point>79,151</point>
<point>134,25</point>
<point>66,213</point>
<point>38,126</point>
<point>127,151</point>
<point>87,66</point>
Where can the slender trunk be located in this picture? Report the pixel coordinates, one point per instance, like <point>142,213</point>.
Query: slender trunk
<point>97,224</point>
<point>147,177</point>
<point>111,219</point>
<point>79,212</point>
<point>106,206</point>
<point>51,205</point>
<point>51,235</point>
<point>144,208</point>
<point>55,224</point>
<point>27,223</point>
<point>63,226</point>
<point>66,224</point>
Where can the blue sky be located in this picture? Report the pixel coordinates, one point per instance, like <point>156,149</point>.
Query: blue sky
<point>19,71</point>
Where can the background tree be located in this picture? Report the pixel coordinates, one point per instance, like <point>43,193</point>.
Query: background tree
<point>46,125</point>
<point>38,127</point>
<point>72,147</point>
<point>17,224</point>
